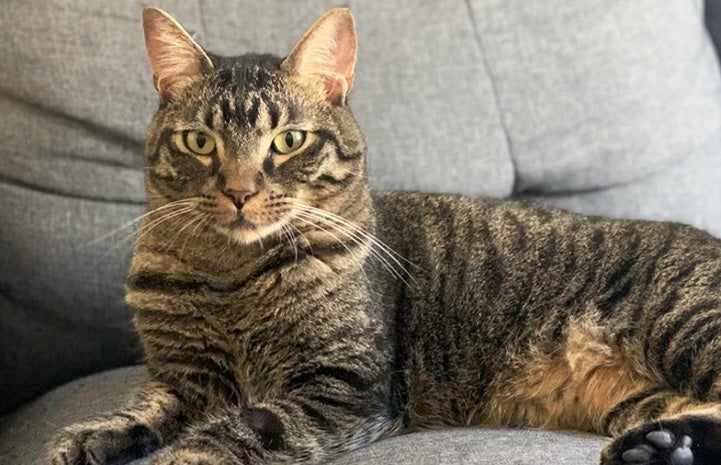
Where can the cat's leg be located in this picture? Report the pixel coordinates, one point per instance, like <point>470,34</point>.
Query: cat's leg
<point>590,383</point>
<point>679,421</point>
<point>312,424</point>
<point>153,418</point>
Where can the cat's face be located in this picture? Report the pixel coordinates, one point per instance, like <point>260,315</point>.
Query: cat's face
<point>250,143</point>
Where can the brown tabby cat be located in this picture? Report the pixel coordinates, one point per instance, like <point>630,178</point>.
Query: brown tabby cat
<point>278,328</point>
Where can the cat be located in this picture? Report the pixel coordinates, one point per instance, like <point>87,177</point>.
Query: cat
<point>289,314</point>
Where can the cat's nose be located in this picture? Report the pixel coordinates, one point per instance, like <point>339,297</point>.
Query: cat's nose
<point>239,197</point>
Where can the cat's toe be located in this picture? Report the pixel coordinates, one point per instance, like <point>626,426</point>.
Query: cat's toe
<point>646,446</point>
<point>661,439</point>
<point>101,443</point>
<point>639,454</point>
<point>67,449</point>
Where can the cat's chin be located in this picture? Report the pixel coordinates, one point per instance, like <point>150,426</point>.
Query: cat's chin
<point>248,233</point>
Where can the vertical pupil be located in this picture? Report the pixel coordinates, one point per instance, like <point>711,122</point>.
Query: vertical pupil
<point>289,140</point>
<point>200,140</point>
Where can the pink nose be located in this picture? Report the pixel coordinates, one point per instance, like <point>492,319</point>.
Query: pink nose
<point>239,197</point>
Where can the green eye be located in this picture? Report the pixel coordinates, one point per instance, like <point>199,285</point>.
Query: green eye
<point>199,142</point>
<point>288,141</point>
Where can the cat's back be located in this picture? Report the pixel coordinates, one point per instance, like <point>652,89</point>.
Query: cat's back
<point>405,216</point>
<point>518,262</point>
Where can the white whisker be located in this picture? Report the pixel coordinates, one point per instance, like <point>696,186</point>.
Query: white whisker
<point>353,256</point>
<point>356,232</point>
<point>356,239</point>
<point>178,204</point>
<point>203,220</point>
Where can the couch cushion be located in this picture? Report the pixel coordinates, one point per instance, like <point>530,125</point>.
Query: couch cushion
<point>688,192</point>
<point>595,93</point>
<point>22,434</point>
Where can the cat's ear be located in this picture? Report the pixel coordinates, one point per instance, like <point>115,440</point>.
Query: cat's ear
<point>327,54</point>
<point>177,60</point>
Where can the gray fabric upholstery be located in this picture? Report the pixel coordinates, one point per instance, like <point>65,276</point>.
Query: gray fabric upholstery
<point>685,191</point>
<point>595,93</point>
<point>24,432</point>
<point>610,106</point>
<point>713,21</point>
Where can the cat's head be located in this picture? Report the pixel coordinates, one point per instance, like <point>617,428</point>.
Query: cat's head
<point>252,143</point>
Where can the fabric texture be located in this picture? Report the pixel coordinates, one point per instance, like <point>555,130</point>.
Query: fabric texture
<point>33,425</point>
<point>609,106</point>
<point>594,93</point>
<point>685,192</point>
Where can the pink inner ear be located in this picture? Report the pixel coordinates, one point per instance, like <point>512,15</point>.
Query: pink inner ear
<point>335,88</point>
<point>327,51</point>
<point>177,60</point>
<point>345,50</point>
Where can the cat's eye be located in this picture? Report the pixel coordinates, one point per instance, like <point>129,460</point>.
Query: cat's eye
<point>288,141</point>
<point>199,142</point>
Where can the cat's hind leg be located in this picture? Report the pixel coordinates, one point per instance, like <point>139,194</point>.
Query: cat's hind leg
<point>588,383</point>
<point>679,340</point>
<point>154,417</point>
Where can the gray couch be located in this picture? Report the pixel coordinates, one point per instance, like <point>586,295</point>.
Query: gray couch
<point>602,106</point>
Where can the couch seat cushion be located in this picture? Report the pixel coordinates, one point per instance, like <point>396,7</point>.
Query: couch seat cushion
<point>24,433</point>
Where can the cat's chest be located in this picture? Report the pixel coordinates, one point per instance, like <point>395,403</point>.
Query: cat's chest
<point>252,351</point>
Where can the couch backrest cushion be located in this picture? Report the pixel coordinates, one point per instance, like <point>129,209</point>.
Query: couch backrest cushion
<point>596,93</point>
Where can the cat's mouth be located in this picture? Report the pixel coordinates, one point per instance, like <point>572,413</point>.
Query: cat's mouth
<point>253,226</point>
<point>243,231</point>
<point>253,221</point>
<point>241,222</point>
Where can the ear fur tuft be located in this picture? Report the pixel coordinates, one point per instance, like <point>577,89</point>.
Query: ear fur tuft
<point>177,60</point>
<point>327,53</point>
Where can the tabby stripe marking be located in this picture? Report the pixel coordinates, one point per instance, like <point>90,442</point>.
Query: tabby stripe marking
<point>680,319</point>
<point>359,409</point>
<point>597,239</point>
<point>345,375</point>
<point>701,334</point>
<point>715,281</point>
<point>225,110</point>
<point>618,295</point>
<point>154,281</point>
<point>253,112</point>
<point>330,179</point>
<point>273,112</point>
<point>317,417</point>
<point>628,403</point>
<point>330,137</point>
<point>667,305</point>
<point>621,270</point>
<point>669,240</point>
<point>165,138</point>
<point>705,384</point>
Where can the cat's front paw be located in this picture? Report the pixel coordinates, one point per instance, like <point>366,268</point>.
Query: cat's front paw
<point>101,442</point>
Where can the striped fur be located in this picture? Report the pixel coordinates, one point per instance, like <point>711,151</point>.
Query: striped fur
<point>320,317</point>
